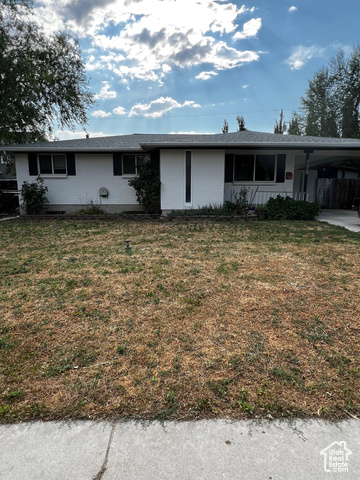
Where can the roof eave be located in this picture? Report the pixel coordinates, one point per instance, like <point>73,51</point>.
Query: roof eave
<point>272,145</point>
<point>72,149</point>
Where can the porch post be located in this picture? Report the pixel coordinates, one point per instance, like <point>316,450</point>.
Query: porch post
<point>307,151</point>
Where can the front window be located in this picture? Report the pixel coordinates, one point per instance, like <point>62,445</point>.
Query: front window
<point>131,163</point>
<point>258,168</point>
<point>52,164</point>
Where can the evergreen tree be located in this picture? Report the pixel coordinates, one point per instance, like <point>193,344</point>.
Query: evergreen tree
<point>241,123</point>
<point>319,106</point>
<point>346,85</point>
<point>280,126</point>
<point>225,128</point>
<point>330,106</point>
<point>294,127</point>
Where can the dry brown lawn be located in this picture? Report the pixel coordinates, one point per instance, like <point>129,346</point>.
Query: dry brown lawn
<point>201,319</point>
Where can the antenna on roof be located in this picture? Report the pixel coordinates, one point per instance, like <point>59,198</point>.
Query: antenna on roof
<point>86,133</point>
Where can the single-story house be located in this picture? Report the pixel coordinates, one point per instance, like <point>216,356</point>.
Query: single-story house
<point>195,170</point>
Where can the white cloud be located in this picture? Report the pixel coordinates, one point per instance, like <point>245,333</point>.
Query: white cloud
<point>181,132</point>
<point>157,108</point>
<point>100,114</point>
<point>292,9</point>
<point>206,75</point>
<point>245,86</point>
<point>105,92</point>
<point>119,111</point>
<point>301,55</point>
<point>149,39</point>
<point>166,68</point>
<point>93,64</point>
<point>250,29</point>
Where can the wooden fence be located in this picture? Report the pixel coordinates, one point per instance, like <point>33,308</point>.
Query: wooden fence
<point>337,192</point>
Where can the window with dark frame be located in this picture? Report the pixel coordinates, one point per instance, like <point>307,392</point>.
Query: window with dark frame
<point>131,162</point>
<point>52,164</point>
<point>256,168</point>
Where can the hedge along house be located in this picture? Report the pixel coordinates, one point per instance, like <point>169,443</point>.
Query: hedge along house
<point>195,170</point>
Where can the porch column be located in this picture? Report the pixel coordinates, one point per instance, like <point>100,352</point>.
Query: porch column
<point>307,152</point>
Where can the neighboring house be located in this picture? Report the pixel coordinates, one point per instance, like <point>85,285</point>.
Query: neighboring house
<point>195,170</point>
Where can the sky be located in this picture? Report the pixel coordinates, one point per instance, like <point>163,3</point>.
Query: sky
<point>185,66</point>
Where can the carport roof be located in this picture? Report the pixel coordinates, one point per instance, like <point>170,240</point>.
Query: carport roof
<point>141,142</point>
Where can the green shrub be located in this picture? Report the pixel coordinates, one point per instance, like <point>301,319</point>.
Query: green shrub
<point>147,187</point>
<point>286,208</point>
<point>34,196</point>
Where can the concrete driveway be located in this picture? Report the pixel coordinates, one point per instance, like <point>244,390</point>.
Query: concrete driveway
<point>343,218</point>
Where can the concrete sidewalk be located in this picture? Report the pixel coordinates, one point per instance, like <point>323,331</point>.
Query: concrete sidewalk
<point>344,218</point>
<point>207,449</point>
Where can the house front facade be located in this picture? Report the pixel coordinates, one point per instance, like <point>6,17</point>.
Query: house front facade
<point>195,170</point>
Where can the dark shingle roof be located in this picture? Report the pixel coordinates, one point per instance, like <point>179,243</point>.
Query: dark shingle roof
<point>139,142</point>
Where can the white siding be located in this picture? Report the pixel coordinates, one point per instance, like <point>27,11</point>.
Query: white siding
<point>207,178</point>
<point>93,171</point>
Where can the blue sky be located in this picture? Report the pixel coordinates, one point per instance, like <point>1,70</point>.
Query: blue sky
<point>164,66</point>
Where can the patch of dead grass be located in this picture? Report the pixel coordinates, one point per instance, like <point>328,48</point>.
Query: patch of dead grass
<point>201,320</point>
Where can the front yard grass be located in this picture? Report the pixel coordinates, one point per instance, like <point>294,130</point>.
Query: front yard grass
<point>200,320</point>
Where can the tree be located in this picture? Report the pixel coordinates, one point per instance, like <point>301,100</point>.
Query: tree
<point>280,127</point>
<point>330,106</point>
<point>42,78</point>
<point>294,127</point>
<point>346,86</point>
<point>319,106</point>
<point>241,123</point>
<point>225,128</point>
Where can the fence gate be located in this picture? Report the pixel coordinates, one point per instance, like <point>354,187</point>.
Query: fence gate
<point>337,192</point>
